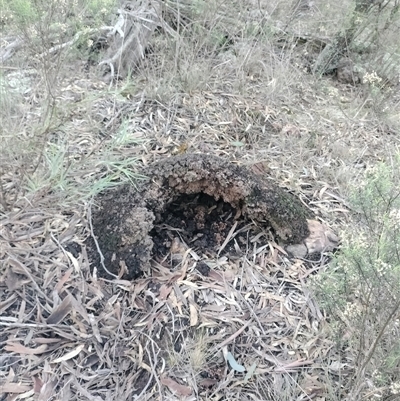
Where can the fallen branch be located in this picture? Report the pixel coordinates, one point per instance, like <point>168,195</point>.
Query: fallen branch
<point>75,39</point>
<point>11,49</point>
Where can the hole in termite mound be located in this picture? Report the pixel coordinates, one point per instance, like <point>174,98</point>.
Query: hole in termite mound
<point>200,222</point>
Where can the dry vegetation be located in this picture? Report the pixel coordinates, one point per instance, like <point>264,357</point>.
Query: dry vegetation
<point>232,78</point>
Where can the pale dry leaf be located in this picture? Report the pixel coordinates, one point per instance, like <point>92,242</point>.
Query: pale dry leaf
<point>208,382</point>
<point>165,290</point>
<point>70,355</point>
<point>26,396</point>
<point>216,276</point>
<point>312,386</point>
<point>37,384</point>
<point>193,315</point>
<point>74,261</point>
<point>21,349</point>
<point>95,327</point>
<point>63,280</point>
<point>229,237</point>
<point>42,340</point>
<point>47,390</point>
<point>175,387</point>
<point>14,388</point>
<point>61,311</point>
<point>293,365</point>
<point>13,281</point>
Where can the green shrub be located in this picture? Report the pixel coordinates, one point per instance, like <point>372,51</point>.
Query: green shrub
<point>361,291</point>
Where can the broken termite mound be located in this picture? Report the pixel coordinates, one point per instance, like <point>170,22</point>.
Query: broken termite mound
<point>123,219</point>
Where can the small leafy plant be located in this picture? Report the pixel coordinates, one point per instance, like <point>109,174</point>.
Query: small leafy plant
<point>361,292</point>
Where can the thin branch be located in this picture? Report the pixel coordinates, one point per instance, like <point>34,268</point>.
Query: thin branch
<point>89,213</point>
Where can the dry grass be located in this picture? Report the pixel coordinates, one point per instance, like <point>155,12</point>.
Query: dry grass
<point>67,335</point>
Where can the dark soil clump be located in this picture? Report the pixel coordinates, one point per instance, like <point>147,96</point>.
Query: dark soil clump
<point>198,220</point>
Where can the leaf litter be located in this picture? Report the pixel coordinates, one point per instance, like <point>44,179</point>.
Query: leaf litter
<point>65,334</point>
<point>102,338</point>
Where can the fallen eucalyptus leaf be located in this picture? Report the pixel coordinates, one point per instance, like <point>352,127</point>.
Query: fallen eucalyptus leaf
<point>233,364</point>
<point>237,144</point>
<point>250,372</point>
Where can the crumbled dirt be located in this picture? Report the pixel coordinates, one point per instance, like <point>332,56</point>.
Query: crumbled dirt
<point>203,268</point>
<point>121,232</point>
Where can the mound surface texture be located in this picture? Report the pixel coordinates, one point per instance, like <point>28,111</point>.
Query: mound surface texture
<point>124,219</point>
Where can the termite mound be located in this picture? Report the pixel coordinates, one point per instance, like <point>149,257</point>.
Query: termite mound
<point>126,220</point>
